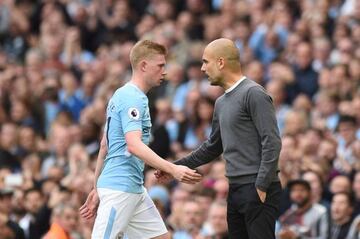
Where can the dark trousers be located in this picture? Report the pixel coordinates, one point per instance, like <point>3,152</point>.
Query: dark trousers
<point>247,216</point>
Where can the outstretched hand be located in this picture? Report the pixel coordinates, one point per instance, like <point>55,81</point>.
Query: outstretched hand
<point>180,173</point>
<point>89,208</point>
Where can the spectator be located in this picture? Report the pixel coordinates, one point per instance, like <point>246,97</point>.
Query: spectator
<point>317,188</point>
<point>88,88</point>
<point>64,221</point>
<point>347,135</point>
<point>267,42</point>
<point>196,81</point>
<point>354,229</point>
<point>205,197</point>
<point>192,220</point>
<point>276,89</point>
<point>356,190</point>
<point>326,106</point>
<point>340,183</point>
<point>68,98</point>
<point>60,145</point>
<point>161,142</point>
<point>10,228</point>
<point>321,54</point>
<point>217,225</point>
<point>35,222</point>
<point>295,123</point>
<point>8,147</point>
<point>178,197</point>
<point>341,211</point>
<point>306,79</point>
<point>304,219</point>
<point>255,71</point>
<point>73,54</point>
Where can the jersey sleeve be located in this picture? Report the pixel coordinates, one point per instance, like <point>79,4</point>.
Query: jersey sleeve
<point>131,114</point>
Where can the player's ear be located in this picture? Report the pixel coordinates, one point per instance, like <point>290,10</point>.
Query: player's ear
<point>143,65</point>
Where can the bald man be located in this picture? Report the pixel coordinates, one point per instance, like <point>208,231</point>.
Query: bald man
<point>244,129</point>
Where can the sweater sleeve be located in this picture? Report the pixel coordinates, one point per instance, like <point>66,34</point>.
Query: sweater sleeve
<point>208,151</point>
<point>262,112</point>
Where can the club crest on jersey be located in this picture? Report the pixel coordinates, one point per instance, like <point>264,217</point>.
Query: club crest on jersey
<point>134,113</point>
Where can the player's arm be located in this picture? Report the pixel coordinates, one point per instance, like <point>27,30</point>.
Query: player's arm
<point>136,147</point>
<point>208,151</point>
<point>89,208</point>
<point>100,159</point>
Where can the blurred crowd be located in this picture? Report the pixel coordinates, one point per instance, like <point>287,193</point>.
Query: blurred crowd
<point>61,60</point>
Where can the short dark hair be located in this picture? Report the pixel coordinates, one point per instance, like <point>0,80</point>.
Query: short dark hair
<point>346,119</point>
<point>350,197</point>
<point>301,182</point>
<point>207,192</point>
<point>6,192</point>
<point>33,189</point>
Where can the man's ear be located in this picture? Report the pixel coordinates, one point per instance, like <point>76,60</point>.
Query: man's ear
<point>143,65</point>
<point>221,63</point>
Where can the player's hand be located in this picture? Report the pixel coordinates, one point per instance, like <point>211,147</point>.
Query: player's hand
<point>162,176</point>
<point>262,195</point>
<point>185,174</point>
<point>89,208</point>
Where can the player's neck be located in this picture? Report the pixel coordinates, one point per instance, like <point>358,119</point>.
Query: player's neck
<point>138,82</point>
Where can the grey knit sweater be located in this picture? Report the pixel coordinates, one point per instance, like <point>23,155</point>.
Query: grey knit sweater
<point>244,128</point>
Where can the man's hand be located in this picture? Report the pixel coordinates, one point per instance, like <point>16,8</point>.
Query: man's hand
<point>185,174</point>
<point>163,177</point>
<point>262,195</point>
<point>89,208</point>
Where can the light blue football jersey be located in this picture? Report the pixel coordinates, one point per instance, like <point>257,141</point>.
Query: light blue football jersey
<point>127,110</point>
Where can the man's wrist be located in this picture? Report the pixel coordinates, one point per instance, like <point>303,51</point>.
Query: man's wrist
<point>260,187</point>
<point>171,169</point>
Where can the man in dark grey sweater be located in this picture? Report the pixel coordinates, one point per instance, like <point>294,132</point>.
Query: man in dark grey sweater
<point>244,129</point>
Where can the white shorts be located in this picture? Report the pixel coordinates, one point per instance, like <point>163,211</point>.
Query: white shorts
<point>126,215</point>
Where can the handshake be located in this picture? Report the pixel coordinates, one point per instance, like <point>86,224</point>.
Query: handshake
<point>179,172</point>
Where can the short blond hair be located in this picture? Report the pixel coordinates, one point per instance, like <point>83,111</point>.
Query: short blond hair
<point>145,49</point>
